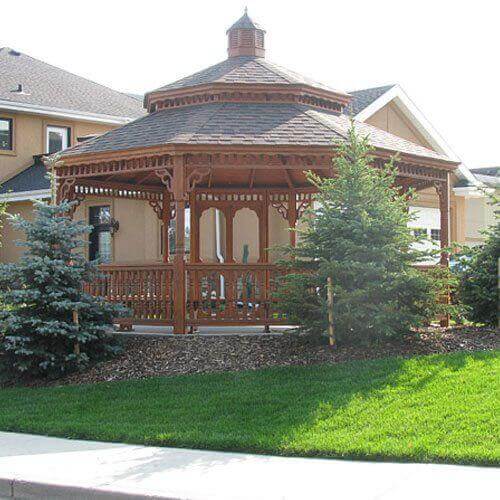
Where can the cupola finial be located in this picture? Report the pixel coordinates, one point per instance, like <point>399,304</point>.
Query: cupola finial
<point>245,38</point>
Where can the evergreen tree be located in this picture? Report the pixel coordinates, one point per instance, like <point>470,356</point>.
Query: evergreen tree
<point>478,286</point>
<point>358,236</point>
<point>50,326</point>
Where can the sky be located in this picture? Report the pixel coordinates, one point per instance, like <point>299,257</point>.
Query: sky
<point>443,53</point>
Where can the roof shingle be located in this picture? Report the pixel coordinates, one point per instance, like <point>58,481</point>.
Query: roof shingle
<point>361,99</point>
<point>243,124</point>
<point>32,178</point>
<point>46,85</point>
<point>245,70</point>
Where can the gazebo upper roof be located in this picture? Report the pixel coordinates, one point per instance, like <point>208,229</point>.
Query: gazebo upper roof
<point>246,70</point>
<point>246,76</point>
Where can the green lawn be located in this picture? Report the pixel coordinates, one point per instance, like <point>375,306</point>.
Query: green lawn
<point>431,408</point>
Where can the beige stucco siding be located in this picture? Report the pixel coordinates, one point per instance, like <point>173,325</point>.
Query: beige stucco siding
<point>479,215</point>
<point>30,137</point>
<point>9,251</point>
<point>138,237</point>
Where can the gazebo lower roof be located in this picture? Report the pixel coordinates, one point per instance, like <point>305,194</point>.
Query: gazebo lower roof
<point>235,124</point>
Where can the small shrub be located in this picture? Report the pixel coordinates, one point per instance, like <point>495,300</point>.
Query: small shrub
<point>478,274</point>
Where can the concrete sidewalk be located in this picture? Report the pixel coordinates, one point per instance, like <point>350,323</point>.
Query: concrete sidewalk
<point>41,467</point>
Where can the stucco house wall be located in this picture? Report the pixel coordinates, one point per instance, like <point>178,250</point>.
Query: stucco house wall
<point>30,137</point>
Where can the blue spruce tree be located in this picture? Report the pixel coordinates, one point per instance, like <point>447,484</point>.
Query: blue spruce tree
<point>49,326</point>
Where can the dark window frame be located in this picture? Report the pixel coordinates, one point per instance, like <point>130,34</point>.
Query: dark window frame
<point>436,234</point>
<point>10,121</point>
<point>97,228</point>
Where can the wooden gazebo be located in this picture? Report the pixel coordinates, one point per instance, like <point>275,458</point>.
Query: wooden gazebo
<point>239,134</point>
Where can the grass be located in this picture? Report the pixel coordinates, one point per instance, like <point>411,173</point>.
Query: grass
<point>441,408</point>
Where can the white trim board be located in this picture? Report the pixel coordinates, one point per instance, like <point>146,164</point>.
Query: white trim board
<point>38,194</point>
<point>64,113</point>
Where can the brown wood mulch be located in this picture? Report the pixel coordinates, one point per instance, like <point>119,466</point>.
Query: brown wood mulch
<point>165,356</point>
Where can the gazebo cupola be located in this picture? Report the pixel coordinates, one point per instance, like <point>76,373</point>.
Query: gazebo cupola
<point>245,38</point>
<point>245,76</point>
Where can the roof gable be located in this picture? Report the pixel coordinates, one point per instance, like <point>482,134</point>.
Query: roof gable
<point>367,107</point>
<point>361,99</point>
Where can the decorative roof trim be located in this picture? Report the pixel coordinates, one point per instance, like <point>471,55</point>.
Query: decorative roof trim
<point>409,109</point>
<point>258,150</point>
<point>64,113</point>
<point>38,194</point>
<point>204,91</point>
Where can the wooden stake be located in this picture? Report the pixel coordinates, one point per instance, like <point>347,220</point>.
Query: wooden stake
<point>329,293</point>
<point>76,321</point>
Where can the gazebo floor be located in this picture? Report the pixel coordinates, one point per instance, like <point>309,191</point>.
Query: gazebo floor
<point>166,331</point>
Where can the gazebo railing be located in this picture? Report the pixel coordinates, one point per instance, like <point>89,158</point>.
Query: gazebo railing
<point>216,294</point>
<point>146,290</point>
<point>232,294</point>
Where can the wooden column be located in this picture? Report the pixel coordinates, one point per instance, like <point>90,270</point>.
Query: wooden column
<point>292,216</point>
<point>442,189</point>
<point>165,216</point>
<point>194,247</point>
<point>264,228</point>
<point>229,218</point>
<point>444,211</point>
<point>179,272</point>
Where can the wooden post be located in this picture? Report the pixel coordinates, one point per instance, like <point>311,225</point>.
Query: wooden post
<point>292,217</point>
<point>329,294</point>
<point>165,215</point>
<point>264,228</point>
<point>229,218</point>
<point>76,321</point>
<point>179,288</point>
<point>444,212</point>
<point>194,257</point>
<point>194,245</point>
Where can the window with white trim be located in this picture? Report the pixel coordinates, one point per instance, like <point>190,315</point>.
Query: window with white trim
<point>57,139</point>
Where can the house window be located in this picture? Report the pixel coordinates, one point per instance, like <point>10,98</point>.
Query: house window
<point>100,237</point>
<point>420,232</point>
<point>6,142</point>
<point>58,138</point>
<point>436,234</point>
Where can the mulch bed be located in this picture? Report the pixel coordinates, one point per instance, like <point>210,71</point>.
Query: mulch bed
<point>165,356</point>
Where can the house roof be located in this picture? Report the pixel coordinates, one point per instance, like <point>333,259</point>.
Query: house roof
<point>263,124</point>
<point>489,176</point>
<point>361,99</point>
<point>245,70</point>
<point>33,178</point>
<point>51,87</point>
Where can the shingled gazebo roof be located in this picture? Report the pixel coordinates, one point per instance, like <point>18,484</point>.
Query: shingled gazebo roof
<point>245,101</point>
<point>243,124</point>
